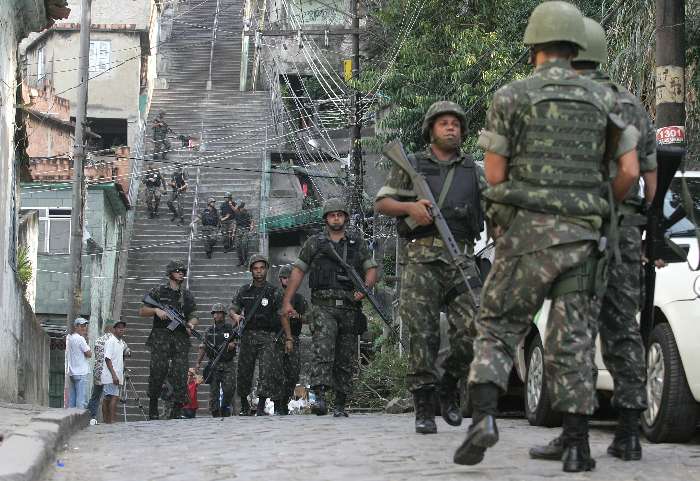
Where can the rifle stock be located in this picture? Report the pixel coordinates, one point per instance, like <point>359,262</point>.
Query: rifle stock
<point>176,319</point>
<point>395,152</point>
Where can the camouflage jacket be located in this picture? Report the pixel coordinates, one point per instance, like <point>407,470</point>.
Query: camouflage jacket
<point>398,186</point>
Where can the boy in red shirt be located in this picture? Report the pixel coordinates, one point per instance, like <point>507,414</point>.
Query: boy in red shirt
<point>189,410</point>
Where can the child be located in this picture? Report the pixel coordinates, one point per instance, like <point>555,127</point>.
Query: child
<point>113,370</point>
<point>189,410</point>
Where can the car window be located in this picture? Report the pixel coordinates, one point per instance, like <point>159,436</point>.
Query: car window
<point>673,201</point>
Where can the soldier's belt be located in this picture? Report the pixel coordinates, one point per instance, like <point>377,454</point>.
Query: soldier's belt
<point>331,302</point>
<point>434,241</point>
<point>633,220</point>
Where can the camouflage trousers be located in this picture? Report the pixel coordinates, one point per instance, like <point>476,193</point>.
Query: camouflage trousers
<point>222,384</point>
<point>292,367</point>
<point>261,346</point>
<point>169,359</point>
<point>514,291</point>
<point>620,338</point>
<point>242,241</point>
<point>426,290</point>
<point>160,148</point>
<point>227,234</point>
<point>152,198</point>
<point>209,236</point>
<point>334,345</point>
<point>175,203</point>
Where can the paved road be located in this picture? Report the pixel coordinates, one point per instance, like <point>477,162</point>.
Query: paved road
<point>362,447</point>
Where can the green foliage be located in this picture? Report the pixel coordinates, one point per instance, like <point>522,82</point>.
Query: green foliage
<point>382,379</point>
<point>24,265</point>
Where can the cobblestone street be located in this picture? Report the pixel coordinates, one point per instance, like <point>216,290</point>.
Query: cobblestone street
<point>362,447</point>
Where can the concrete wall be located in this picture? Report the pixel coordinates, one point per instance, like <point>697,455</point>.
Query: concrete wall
<point>23,345</point>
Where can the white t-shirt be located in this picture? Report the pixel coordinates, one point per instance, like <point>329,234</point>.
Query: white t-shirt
<point>77,346</point>
<point>114,351</point>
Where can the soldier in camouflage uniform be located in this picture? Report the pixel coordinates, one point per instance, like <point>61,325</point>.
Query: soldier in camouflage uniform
<point>621,341</point>
<point>545,143</point>
<point>228,219</point>
<point>178,187</point>
<point>160,136</point>
<point>222,379</point>
<point>210,226</point>
<point>292,360</point>
<point>336,303</point>
<point>431,282</point>
<point>242,231</point>
<point>169,349</point>
<point>154,182</point>
<point>255,309</point>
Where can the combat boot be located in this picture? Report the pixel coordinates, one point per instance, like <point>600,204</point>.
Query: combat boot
<point>577,452</point>
<point>260,411</point>
<point>245,407</point>
<point>215,413</point>
<point>176,411</point>
<point>153,409</point>
<point>226,411</point>
<point>281,407</point>
<point>483,432</point>
<point>320,408</point>
<point>449,400</point>
<point>550,452</point>
<point>423,401</point>
<point>626,444</point>
<point>339,408</point>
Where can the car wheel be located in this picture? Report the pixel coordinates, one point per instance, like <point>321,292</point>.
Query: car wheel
<point>538,407</point>
<point>672,414</point>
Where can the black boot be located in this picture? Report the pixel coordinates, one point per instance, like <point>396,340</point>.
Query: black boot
<point>245,407</point>
<point>215,413</point>
<point>626,444</point>
<point>320,409</point>
<point>483,432</point>
<point>153,409</point>
<point>339,408</point>
<point>449,400</point>
<point>176,411</point>
<point>577,452</point>
<point>423,401</point>
<point>551,451</point>
<point>260,411</point>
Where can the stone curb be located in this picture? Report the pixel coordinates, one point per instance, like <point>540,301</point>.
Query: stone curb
<point>28,450</point>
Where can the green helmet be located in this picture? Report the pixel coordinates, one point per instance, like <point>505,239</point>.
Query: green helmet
<point>285,271</point>
<point>175,265</point>
<point>228,195</point>
<point>257,258</point>
<point>597,50</point>
<point>556,21</point>
<point>334,205</point>
<point>439,108</point>
<point>210,200</point>
<point>218,307</point>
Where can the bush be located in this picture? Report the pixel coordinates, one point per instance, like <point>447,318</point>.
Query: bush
<point>24,265</point>
<point>380,380</point>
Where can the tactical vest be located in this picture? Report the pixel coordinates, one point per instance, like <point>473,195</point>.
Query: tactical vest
<point>557,162</point>
<point>179,179</point>
<point>152,179</point>
<point>160,132</point>
<point>462,204</point>
<point>182,301</point>
<point>243,219</point>
<point>326,272</point>
<point>218,335</point>
<point>226,209</point>
<point>210,217</point>
<point>266,317</point>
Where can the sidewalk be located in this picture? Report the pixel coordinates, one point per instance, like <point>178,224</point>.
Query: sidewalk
<point>30,435</point>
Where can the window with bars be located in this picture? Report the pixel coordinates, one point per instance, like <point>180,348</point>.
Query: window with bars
<point>100,52</point>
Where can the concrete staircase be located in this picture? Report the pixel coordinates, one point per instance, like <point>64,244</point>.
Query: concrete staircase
<point>231,125</point>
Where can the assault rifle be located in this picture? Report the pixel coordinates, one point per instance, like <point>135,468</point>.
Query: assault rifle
<point>394,151</point>
<point>177,320</point>
<point>360,286</point>
<point>657,245</point>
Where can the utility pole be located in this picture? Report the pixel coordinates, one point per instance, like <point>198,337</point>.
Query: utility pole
<point>356,134</point>
<point>76,241</point>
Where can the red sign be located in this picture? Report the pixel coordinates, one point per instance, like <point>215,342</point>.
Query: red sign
<point>673,134</point>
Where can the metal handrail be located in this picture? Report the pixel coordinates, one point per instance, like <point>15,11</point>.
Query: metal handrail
<point>195,202</point>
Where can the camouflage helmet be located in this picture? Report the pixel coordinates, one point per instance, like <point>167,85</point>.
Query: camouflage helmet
<point>439,108</point>
<point>555,21</point>
<point>597,51</point>
<point>334,205</point>
<point>210,200</point>
<point>285,271</point>
<point>228,195</point>
<point>218,307</point>
<point>175,265</point>
<point>257,258</point>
